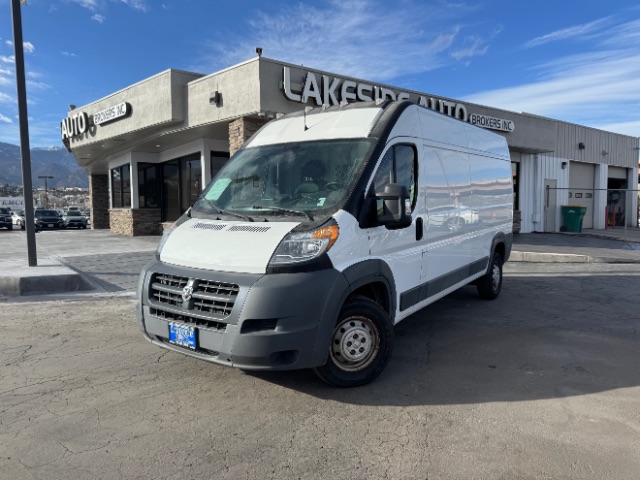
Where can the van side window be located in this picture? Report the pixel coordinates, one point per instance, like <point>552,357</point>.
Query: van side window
<point>399,165</point>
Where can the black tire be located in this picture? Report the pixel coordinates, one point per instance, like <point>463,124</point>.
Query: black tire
<point>10,227</point>
<point>22,226</point>
<point>490,284</point>
<point>361,344</point>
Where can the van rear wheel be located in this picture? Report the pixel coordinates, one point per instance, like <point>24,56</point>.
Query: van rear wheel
<point>361,344</point>
<point>490,284</point>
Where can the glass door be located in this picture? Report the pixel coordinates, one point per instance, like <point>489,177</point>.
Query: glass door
<point>170,192</point>
<point>190,182</point>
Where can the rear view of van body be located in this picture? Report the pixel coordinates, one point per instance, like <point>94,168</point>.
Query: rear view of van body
<point>325,230</point>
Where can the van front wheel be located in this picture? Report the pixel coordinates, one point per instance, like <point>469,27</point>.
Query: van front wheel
<point>361,344</point>
<point>490,284</point>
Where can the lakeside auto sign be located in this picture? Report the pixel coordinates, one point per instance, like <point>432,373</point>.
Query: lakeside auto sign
<point>334,91</point>
<point>80,123</point>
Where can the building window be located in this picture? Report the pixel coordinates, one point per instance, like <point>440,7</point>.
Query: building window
<point>218,159</point>
<point>148,186</point>
<point>190,181</point>
<point>515,173</point>
<point>121,187</point>
<point>180,183</point>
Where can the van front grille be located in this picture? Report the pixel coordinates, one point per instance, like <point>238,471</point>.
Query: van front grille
<point>201,297</point>
<point>194,321</point>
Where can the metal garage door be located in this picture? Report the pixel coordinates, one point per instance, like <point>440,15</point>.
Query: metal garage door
<point>581,185</point>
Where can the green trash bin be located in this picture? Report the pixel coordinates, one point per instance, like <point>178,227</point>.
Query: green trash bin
<point>572,216</point>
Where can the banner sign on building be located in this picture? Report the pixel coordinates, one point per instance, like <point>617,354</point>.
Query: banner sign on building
<point>327,90</point>
<point>79,123</point>
<point>12,203</point>
<point>111,114</point>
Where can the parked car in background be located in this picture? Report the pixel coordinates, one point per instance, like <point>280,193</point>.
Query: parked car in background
<point>74,219</point>
<point>48,219</point>
<point>36,223</point>
<point>17,217</point>
<point>5,218</point>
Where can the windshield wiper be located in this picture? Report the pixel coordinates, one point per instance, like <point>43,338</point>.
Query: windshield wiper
<point>285,210</point>
<point>226,212</point>
<point>239,215</point>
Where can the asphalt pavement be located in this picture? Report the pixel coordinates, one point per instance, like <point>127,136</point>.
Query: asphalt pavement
<point>100,262</point>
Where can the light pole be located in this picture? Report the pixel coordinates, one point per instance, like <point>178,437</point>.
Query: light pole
<point>46,189</point>
<point>25,153</point>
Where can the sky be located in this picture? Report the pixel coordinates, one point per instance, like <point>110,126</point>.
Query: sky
<point>572,60</point>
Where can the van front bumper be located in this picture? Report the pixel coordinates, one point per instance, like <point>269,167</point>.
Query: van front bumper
<point>249,321</point>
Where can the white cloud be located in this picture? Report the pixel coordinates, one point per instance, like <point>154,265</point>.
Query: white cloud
<point>5,119</point>
<point>5,59</point>
<point>136,4</point>
<point>68,54</point>
<point>37,85</point>
<point>27,46</point>
<point>361,38</point>
<point>600,88</point>
<point>98,18</point>
<point>96,5</point>
<point>90,4</point>
<point>631,128</point>
<point>4,98</point>
<point>472,46</point>
<point>570,32</point>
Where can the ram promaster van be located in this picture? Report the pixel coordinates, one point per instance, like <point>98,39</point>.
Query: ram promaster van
<point>325,230</point>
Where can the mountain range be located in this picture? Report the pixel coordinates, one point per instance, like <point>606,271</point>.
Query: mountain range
<point>55,162</point>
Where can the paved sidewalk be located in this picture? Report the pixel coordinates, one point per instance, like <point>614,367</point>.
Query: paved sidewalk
<point>591,246</point>
<point>95,261</point>
<point>100,262</point>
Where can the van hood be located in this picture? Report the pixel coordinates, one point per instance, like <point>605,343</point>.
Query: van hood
<point>241,247</point>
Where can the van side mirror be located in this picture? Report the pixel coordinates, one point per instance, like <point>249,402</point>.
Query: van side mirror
<point>393,207</point>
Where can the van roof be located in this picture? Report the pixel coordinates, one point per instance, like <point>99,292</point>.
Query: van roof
<point>320,124</point>
<point>376,120</point>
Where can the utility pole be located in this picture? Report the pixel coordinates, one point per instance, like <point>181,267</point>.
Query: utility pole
<point>46,189</point>
<point>25,152</point>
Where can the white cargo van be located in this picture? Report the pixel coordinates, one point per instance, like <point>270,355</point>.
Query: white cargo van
<point>324,231</point>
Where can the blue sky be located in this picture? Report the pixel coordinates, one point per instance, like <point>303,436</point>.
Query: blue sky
<point>577,61</point>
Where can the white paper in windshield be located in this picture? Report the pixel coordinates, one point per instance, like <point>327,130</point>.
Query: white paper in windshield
<point>218,188</point>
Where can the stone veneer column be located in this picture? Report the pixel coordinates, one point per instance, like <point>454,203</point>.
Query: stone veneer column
<point>135,221</point>
<point>241,129</point>
<point>99,201</point>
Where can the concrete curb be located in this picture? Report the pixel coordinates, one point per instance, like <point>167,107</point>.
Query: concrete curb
<point>537,257</point>
<point>49,277</point>
<point>43,285</point>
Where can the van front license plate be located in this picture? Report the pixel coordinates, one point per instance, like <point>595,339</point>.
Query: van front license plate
<point>182,335</point>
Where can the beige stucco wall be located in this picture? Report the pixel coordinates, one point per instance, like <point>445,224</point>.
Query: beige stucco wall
<point>155,103</point>
<point>238,87</point>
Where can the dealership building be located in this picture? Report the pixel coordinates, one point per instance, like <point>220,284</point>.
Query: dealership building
<point>150,148</point>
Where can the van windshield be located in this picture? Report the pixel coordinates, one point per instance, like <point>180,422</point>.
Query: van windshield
<point>286,179</point>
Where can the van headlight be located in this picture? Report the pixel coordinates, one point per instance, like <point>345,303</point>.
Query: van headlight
<point>304,246</point>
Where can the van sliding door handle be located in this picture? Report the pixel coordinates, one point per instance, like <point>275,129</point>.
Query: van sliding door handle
<point>419,229</point>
